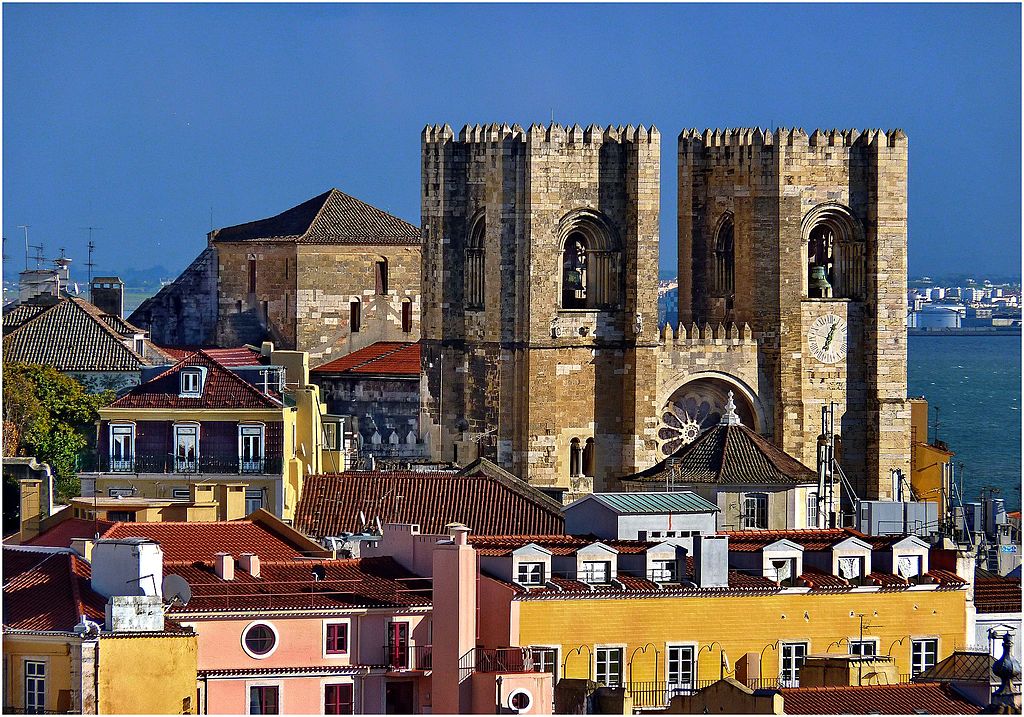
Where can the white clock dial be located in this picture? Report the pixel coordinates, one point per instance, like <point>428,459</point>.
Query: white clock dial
<point>827,338</point>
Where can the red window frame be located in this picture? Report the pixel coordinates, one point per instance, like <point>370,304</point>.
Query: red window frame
<point>336,639</point>
<point>268,697</point>
<point>338,699</point>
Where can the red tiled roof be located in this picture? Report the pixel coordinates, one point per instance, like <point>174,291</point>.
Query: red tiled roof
<point>192,541</point>
<point>221,389</point>
<point>241,356</point>
<point>818,580</point>
<point>47,591</point>
<point>557,544</point>
<point>330,504</point>
<point>811,539</point>
<point>993,593</point>
<point>384,358</point>
<point>330,218</point>
<point>61,534</point>
<point>902,699</point>
<point>288,585</point>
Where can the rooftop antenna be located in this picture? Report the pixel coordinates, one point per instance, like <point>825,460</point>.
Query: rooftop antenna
<point>25,227</point>
<point>89,265</point>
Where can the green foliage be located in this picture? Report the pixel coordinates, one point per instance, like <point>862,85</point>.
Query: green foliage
<point>53,417</point>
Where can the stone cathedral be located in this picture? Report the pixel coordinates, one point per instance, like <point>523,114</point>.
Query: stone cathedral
<point>540,344</point>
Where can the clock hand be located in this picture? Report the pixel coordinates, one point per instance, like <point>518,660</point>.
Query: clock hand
<point>831,333</point>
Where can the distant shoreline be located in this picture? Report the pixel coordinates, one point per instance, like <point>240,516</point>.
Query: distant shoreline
<point>963,332</point>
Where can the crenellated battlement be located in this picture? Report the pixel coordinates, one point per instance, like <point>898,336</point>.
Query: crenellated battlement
<point>708,335</point>
<point>695,139</point>
<point>539,134</point>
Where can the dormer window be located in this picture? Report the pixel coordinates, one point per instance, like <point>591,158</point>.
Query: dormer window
<point>663,571</point>
<point>530,574</point>
<point>191,383</point>
<point>596,572</point>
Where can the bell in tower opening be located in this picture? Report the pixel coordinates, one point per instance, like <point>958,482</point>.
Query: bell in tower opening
<point>574,273</point>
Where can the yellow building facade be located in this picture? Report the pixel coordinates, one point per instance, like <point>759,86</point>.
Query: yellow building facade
<point>930,469</point>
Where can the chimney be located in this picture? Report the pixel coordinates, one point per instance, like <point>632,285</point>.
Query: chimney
<point>250,563</point>
<point>83,546</point>
<point>711,561</point>
<point>127,567</point>
<point>30,495</point>
<point>224,566</point>
<point>107,295</point>
<point>454,585</point>
<point>231,501</point>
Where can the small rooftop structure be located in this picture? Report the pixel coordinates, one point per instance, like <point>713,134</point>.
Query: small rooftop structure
<point>393,359</point>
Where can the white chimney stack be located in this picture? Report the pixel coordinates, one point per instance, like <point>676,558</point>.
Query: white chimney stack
<point>250,563</point>
<point>224,566</point>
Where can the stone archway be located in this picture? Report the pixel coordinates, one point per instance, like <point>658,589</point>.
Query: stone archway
<point>696,406</point>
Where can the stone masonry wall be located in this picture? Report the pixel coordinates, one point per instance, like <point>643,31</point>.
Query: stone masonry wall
<point>183,313</point>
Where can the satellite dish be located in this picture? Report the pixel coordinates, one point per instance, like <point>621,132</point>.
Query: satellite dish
<point>319,572</point>
<point>176,590</point>
<point>87,628</point>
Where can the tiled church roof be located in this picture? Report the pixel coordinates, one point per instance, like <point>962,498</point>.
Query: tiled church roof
<point>729,455</point>
<point>384,358</point>
<point>331,218</point>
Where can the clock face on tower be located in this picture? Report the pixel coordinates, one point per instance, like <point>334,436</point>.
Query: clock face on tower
<point>827,338</point>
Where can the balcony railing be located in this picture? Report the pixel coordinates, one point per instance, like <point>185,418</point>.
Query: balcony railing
<point>91,463</point>
<point>410,657</point>
<point>503,659</point>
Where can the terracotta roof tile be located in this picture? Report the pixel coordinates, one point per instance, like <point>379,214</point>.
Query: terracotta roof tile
<point>47,591</point>
<point>221,389</point>
<point>330,504</point>
<point>70,335</point>
<point>286,585</point>
<point>997,594</point>
<point>729,455</point>
<point>384,358</point>
<point>558,544</point>
<point>903,699</point>
<point>330,218</point>
<point>812,539</point>
<point>191,541</point>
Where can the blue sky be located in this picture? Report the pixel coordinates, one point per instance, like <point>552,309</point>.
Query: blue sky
<point>142,119</point>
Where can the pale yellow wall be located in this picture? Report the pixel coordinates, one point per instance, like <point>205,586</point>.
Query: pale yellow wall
<point>147,675</point>
<point>741,624</point>
<point>57,656</point>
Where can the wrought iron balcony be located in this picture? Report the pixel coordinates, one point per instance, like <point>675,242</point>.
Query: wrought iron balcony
<point>169,464</point>
<point>410,657</point>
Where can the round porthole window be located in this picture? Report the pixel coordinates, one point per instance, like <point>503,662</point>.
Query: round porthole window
<point>259,640</point>
<point>520,700</point>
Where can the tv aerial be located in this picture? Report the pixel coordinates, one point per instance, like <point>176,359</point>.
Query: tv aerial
<point>176,590</point>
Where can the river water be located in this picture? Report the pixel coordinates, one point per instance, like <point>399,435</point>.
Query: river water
<point>975,382</point>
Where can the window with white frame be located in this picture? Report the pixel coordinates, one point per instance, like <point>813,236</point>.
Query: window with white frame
<point>191,383</point>
<point>792,655</point>
<point>250,448</point>
<point>595,572</point>
<point>682,667</point>
<point>923,655</point>
<point>122,447</point>
<point>663,571</point>
<point>545,659</point>
<point>530,573</point>
<point>755,511</point>
<point>120,492</point>
<point>864,648</point>
<point>331,433</point>
<point>186,448</point>
<point>35,686</point>
<point>609,666</point>
<point>812,509</point>
<point>181,494</point>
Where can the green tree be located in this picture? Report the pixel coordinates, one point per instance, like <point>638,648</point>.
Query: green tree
<point>50,416</point>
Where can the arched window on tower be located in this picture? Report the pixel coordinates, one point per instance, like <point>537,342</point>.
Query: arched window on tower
<point>725,262</point>
<point>575,458</point>
<point>820,262</point>
<point>574,272</point>
<point>475,268</point>
<point>588,458</point>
